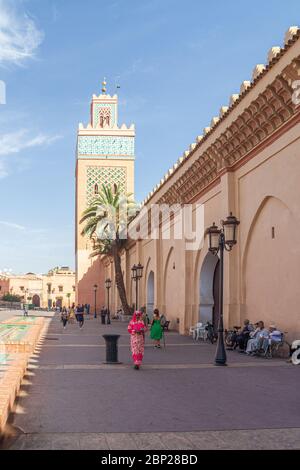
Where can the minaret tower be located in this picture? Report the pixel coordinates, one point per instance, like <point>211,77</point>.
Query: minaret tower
<point>104,154</point>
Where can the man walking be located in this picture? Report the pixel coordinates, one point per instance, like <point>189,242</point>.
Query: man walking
<point>80,316</point>
<point>103,314</point>
<point>108,316</point>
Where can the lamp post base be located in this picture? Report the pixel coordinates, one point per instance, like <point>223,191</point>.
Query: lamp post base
<point>220,363</point>
<point>111,363</point>
<point>221,357</point>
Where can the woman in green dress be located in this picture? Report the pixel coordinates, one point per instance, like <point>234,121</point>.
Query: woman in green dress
<point>156,331</point>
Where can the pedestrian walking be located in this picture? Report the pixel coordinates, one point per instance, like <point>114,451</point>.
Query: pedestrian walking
<point>80,314</point>
<point>145,318</point>
<point>64,317</point>
<point>103,315</point>
<point>163,320</point>
<point>137,329</point>
<point>25,311</point>
<point>72,314</point>
<point>108,316</point>
<point>156,331</point>
<point>77,311</point>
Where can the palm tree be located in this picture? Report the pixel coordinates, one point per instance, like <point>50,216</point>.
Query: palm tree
<point>107,218</point>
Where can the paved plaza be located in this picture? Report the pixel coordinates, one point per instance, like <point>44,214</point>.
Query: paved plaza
<point>70,399</point>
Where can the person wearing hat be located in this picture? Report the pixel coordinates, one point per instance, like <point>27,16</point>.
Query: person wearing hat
<point>274,336</point>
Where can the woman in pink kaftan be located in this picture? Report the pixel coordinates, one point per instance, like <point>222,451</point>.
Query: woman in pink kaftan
<point>137,329</point>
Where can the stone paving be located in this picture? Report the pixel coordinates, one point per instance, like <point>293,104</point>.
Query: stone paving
<point>259,439</point>
<point>178,400</point>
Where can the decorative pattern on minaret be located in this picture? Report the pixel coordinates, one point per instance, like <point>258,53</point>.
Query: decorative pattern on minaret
<point>102,146</point>
<point>104,175</point>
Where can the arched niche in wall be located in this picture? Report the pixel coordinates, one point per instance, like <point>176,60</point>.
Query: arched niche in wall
<point>271,265</point>
<point>209,290</point>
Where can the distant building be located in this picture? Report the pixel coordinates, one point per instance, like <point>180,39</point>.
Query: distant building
<point>56,288</point>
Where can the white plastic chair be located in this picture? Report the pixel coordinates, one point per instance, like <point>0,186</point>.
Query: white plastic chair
<point>194,330</point>
<point>191,330</point>
<point>201,332</point>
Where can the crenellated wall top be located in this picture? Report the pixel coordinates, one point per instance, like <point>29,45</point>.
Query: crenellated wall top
<point>263,105</point>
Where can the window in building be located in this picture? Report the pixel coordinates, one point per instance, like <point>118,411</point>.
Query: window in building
<point>73,288</point>
<point>96,189</point>
<point>60,288</point>
<point>105,117</point>
<point>22,288</point>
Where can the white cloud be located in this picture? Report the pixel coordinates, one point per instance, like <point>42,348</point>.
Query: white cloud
<point>19,35</point>
<point>12,225</point>
<point>22,228</point>
<point>14,142</point>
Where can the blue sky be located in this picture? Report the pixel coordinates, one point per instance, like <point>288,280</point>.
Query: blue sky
<point>177,63</point>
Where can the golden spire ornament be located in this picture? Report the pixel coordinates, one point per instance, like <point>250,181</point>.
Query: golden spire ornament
<point>104,86</point>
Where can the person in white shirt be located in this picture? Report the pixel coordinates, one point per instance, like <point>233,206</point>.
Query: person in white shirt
<point>256,337</point>
<point>274,336</point>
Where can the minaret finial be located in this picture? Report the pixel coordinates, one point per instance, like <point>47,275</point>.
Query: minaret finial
<point>104,86</point>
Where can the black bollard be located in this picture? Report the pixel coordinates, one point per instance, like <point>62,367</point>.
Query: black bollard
<point>111,349</point>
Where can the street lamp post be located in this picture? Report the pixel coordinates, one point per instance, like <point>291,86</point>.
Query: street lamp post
<point>68,296</point>
<point>11,293</point>
<point>108,286</point>
<point>220,240</point>
<point>25,295</point>
<point>137,274</point>
<point>95,291</point>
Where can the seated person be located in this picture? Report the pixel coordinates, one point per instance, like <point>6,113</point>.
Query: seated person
<point>243,337</point>
<point>256,336</point>
<point>274,336</point>
<point>210,333</point>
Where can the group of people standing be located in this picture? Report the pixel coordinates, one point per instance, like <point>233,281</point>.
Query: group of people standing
<point>137,328</point>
